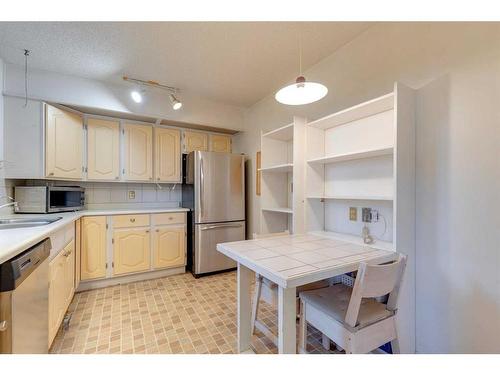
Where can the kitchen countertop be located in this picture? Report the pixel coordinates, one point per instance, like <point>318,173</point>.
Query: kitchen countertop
<point>15,241</point>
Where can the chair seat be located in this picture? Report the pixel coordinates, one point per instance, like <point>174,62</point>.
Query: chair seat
<point>334,301</point>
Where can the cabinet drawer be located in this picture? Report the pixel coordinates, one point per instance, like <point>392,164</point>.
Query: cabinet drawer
<point>129,221</point>
<point>169,218</point>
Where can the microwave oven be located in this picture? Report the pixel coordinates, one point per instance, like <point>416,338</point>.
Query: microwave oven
<point>47,199</point>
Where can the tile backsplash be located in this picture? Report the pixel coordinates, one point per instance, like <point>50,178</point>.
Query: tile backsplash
<point>109,195</point>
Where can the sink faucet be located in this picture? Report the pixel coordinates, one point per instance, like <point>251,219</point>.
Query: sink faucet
<point>13,203</point>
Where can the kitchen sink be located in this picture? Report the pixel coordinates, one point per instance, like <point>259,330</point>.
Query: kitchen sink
<point>26,223</point>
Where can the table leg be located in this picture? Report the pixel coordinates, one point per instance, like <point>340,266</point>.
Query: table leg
<point>244,308</point>
<point>287,315</point>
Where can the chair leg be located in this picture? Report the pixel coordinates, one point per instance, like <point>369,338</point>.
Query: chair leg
<point>302,328</point>
<point>325,341</point>
<point>256,299</point>
<point>395,346</point>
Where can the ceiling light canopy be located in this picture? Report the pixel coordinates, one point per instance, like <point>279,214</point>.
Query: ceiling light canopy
<point>301,92</point>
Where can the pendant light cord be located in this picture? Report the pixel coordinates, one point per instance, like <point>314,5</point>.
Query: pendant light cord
<point>300,54</point>
<point>26,54</point>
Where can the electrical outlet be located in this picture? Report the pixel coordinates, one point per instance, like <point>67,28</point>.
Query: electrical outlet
<point>366,215</point>
<point>369,215</point>
<point>353,213</point>
<point>131,194</point>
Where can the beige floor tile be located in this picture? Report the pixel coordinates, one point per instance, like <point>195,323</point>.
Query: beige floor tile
<point>176,314</point>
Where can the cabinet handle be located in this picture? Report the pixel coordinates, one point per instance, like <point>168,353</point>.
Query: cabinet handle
<point>147,231</point>
<point>4,325</point>
<point>132,220</point>
<point>150,178</point>
<point>158,178</point>
<point>51,173</point>
<point>170,218</point>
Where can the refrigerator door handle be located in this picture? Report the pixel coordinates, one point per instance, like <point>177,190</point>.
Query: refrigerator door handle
<point>202,187</point>
<point>221,226</point>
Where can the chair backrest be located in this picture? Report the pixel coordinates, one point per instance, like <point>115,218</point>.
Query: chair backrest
<point>375,281</point>
<point>257,236</point>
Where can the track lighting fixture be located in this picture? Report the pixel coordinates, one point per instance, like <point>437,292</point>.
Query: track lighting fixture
<point>137,95</point>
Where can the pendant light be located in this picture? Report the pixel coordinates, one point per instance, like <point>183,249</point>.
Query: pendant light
<point>302,91</point>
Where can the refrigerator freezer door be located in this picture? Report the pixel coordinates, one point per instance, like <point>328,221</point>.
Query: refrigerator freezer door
<point>219,184</point>
<point>207,236</point>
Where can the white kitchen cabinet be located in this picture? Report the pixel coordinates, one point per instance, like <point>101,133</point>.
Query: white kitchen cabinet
<point>61,287</point>
<point>103,149</point>
<point>63,144</point>
<point>138,152</point>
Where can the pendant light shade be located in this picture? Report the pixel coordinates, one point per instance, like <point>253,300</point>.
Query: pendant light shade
<point>301,92</point>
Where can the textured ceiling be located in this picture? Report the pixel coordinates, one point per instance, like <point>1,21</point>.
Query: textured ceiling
<point>236,63</point>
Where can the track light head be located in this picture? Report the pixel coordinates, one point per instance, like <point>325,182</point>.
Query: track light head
<point>176,103</point>
<point>136,96</point>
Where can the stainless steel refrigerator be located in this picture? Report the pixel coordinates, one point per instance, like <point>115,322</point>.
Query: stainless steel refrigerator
<point>214,189</point>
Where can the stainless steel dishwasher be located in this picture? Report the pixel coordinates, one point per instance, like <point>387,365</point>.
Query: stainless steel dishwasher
<point>24,295</point>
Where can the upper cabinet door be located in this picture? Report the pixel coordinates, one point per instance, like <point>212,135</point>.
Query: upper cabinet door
<point>220,143</point>
<point>138,152</point>
<point>103,149</point>
<point>167,155</point>
<point>195,141</point>
<point>64,143</point>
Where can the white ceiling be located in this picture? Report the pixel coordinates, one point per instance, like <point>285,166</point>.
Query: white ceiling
<point>236,63</point>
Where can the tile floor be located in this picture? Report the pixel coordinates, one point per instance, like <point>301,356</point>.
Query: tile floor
<point>175,314</point>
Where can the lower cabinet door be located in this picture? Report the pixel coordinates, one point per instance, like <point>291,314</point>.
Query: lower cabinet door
<point>61,287</point>
<point>93,248</point>
<point>57,295</point>
<point>169,247</point>
<point>131,251</point>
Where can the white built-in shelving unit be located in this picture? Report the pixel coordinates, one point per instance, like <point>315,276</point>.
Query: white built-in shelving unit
<point>282,171</point>
<point>362,156</point>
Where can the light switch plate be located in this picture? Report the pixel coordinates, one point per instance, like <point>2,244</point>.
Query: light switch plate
<point>353,213</point>
<point>131,194</point>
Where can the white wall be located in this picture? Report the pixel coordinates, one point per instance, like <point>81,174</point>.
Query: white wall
<point>73,90</point>
<point>458,200</point>
<point>416,54</point>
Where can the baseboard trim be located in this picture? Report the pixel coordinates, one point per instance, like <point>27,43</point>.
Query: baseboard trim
<point>150,275</point>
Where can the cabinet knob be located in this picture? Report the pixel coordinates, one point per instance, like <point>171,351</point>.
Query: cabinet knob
<point>170,218</point>
<point>158,178</point>
<point>132,220</point>
<point>51,173</point>
<point>147,231</point>
<point>157,230</point>
<point>117,177</point>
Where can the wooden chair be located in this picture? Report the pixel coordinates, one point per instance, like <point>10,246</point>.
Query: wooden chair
<point>268,291</point>
<point>351,317</point>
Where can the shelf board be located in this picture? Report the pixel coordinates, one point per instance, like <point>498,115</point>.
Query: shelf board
<point>353,156</point>
<point>378,244</point>
<point>369,108</point>
<point>278,168</point>
<point>346,197</point>
<point>285,133</point>
<point>284,210</point>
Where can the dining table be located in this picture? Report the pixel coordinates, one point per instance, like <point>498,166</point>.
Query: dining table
<point>291,261</point>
